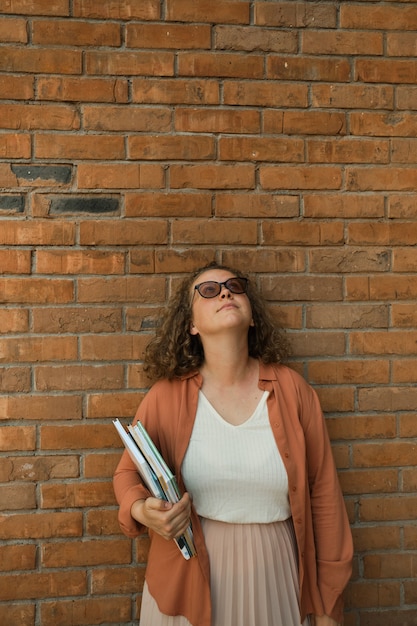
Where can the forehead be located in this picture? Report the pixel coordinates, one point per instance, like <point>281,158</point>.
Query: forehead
<point>215,274</point>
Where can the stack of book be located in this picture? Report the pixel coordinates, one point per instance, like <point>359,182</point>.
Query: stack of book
<point>155,473</point>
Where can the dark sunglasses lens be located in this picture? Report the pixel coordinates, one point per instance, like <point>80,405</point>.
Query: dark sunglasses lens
<point>236,285</point>
<point>210,289</point>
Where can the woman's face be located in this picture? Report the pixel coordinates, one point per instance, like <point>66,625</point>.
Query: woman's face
<point>226,310</point>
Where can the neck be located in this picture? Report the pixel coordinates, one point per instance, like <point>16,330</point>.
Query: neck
<point>226,362</point>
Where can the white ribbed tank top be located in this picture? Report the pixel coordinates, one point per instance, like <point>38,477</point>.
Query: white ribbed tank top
<point>235,473</point>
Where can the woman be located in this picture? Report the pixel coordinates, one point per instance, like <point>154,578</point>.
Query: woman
<point>247,441</point>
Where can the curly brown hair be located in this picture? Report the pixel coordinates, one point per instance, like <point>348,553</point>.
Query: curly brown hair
<point>174,352</point>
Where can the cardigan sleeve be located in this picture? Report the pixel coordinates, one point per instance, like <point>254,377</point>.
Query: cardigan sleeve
<point>332,534</point>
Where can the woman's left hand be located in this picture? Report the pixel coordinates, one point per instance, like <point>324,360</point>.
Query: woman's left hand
<point>324,620</point>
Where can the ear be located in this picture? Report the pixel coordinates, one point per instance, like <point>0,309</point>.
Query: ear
<point>193,329</point>
<point>252,323</point>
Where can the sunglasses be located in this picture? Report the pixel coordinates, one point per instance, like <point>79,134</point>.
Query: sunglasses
<point>211,288</point>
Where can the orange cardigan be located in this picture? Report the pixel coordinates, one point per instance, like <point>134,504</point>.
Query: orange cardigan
<point>324,539</point>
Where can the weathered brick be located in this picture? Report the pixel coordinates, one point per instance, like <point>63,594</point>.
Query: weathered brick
<point>75,33</point>
<point>266,93</point>
<point>112,118</point>
<point>81,89</point>
<point>342,43</point>
<point>348,96</point>
<point>13,30</point>
<point>221,64</point>
<point>44,61</point>
<point>228,11</point>
<point>256,205</point>
<point>343,206</point>
<point>214,231</point>
<point>298,15</point>
<point>79,262</point>
<point>119,176</point>
<point>175,36</point>
<point>129,63</point>
<point>117,9</point>
<point>252,38</point>
<point>308,68</point>
<point>87,611</point>
<point>347,150</point>
<point>79,147</point>
<point>168,204</point>
<point>175,91</point>
<point>300,177</point>
<point>35,7</point>
<point>37,116</point>
<point>172,148</point>
<point>261,149</point>
<point>202,120</point>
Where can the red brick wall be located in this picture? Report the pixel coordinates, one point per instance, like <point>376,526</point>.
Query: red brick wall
<point>140,139</point>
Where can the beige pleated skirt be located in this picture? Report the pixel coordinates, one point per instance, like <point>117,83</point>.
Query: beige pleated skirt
<point>254,577</point>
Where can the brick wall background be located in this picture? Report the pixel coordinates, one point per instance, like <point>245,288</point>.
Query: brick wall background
<point>141,139</point>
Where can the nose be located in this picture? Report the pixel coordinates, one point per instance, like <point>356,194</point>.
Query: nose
<point>224,293</point>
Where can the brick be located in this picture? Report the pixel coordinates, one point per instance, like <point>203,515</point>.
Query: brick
<point>15,379</point>
<point>38,116</point>
<point>122,405</point>
<point>117,10</point>
<point>168,204</point>
<point>125,232</point>
<point>383,125</point>
<point>87,553</point>
<point>16,87</point>
<point>13,438</point>
<point>261,149</point>
<point>259,205</point>
<point>28,468</point>
<point>15,262</point>
<point>21,557</point>
<point>304,123</point>
<point>167,36</point>
<point>45,204</point>
<point>125,289</point>
<point>387,399</point>
<point>33,585</point>
<point>41,407</point>
<point>381,17</point>
<point>295,15</point>
<point>343,205</point>
<point>112,347</point>
<point>402,207</point>
<point>117,579</point>
<point>81,89</point>
<point>86,612</point>
<point>348,96</point>
<point>385,233</point>
<point>180,260</point>
<point>385,454</point>
<point>347,316</point>
<point>102,522</point>
<point>307,69</point>
<point>113,118</point>
<point>75,33</point>
<point>79,262</point>
<point>212,176</point>
<point>387,508</point>
<point>35,7</point>
<point>249,260</point>
<point>11,204</point>
<point>349,371</point>
<point>362,426</point>
<point>404,315</point>
<point>79,147</point>
<point>214,232</point>
<point>295,287</point>
<point>17,614</point>
<point>200,120</point>
<point>406,96</point>
<point>356,260</point>
<point>312,344</point>
<point>15,146</point>
<point>125,63</point>
<point>20,498</point>
<point>56,319</point>
<point>39,526</point>
<point>333,400</point>
<point>376,538</point>
<point>404,260</point>
<point>36,290</point>
<point>403,150</point>
<point>175,91</point>
<point>407,425</point>
<point>228,11</point>
<point>372,593</point>
<point>77,377</point>
<point>98,465</point>
<point>162,147</point>
<point>77,437</point>
<point>300,177</point>
<point>253,38</point>
<point>376,481</point>
<point>299,233</point>
<point>266,93</point>
<point>378,342</point>
<point>44,61</point>
<point>221,64</point>
<point>76,494</point>
<point>389,288</point>
<point>13,30</point>
<point>348,150</point>
<point>342,43</point>
<point>119,176</point>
